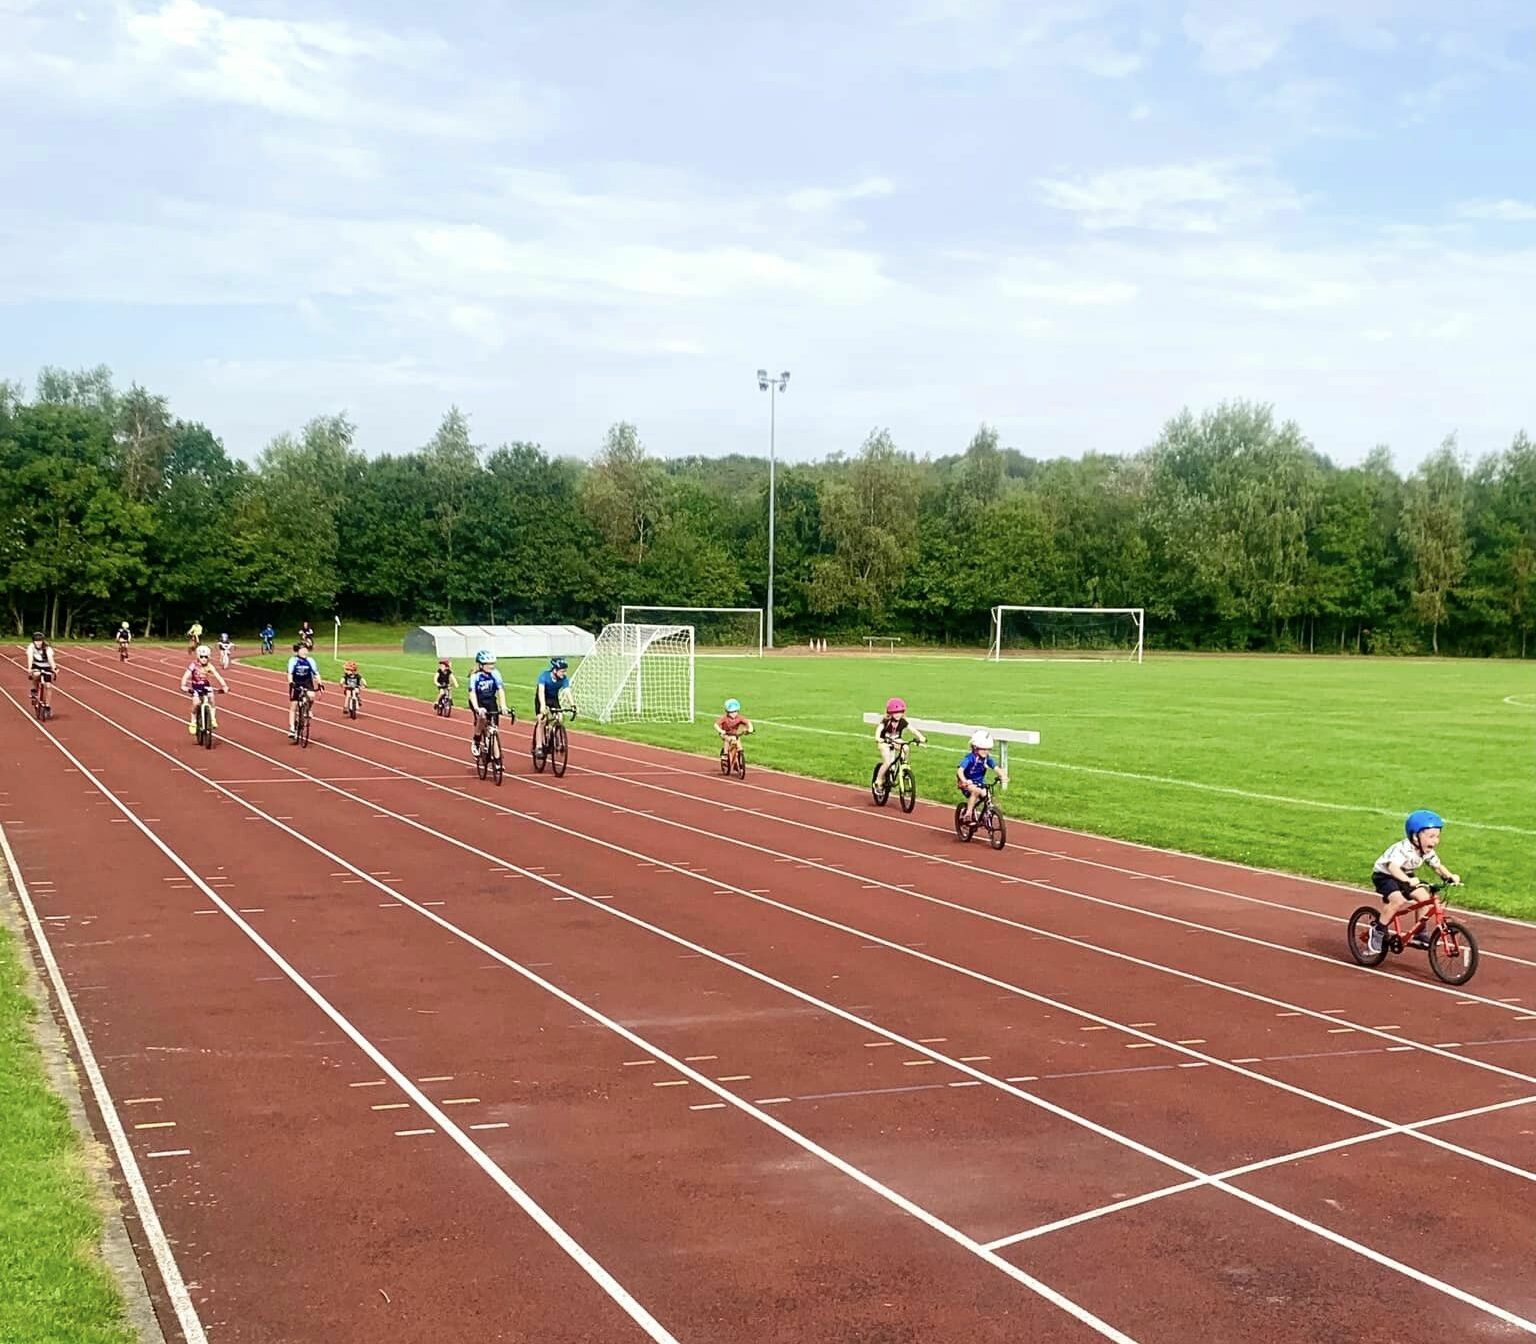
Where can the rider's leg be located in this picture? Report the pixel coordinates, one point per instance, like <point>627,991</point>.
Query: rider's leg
<point>478,715</point>
<point>192,718</point>
<point>293,717</point>
<point>887,758</point>
<point>972,797</point>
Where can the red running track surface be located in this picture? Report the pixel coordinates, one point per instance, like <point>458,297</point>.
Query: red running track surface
<point>648,1054</point>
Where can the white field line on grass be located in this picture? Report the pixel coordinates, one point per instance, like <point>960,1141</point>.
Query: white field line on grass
<point>441,1118</point>
<point>149,1219</point>
<point>717,884</point>
<point>864,1024</point>
<point>606,752</point>
<point>652,1050</point>
<point>1232,1173</point>
<point>910,892</point>
<point>412,702</point>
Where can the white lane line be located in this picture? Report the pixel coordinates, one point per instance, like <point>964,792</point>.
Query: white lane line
<point>615,1290</point>
<point>571,894</point>
<point>410,1133</point>
<point>492,1124</point>
<point>171,1152</point>
<point>157,1124</point>
<point>149,1220</point>
<point>140,1101</point>
<point>1278,1211</point>
<point>481,1159</point>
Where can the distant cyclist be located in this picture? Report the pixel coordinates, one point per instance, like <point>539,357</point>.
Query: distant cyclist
<point>487,696</point>
<point>352,683</point>
<point>194,636</point>
<point>303,684</point>
<point>124,638</point>
<point>891,733</point>
<point>197,681</point>
<point>226,649</point>
<point>307,635</point>
<point>444,679</point>
<point>268,634</point>
<point>42,668</point>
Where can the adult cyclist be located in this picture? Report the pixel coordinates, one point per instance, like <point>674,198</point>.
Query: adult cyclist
<point>42,668</point>
<point>546,693</point>
<point>303,684</point>
<point>487,696</point>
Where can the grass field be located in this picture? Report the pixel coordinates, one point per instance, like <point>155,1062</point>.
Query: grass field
<point>54,1288</point>
<point>1299,764</point>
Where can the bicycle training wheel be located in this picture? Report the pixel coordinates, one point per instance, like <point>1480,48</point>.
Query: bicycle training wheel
<point>559,751</point>
<point>1366,918</point>
<point>880,792</point>
<point>1454,965</point>
<point>908,786</point>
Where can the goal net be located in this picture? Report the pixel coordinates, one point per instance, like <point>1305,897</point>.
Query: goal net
<point>718,631</point>
<point>637,671</point>
<point>1080,632</point>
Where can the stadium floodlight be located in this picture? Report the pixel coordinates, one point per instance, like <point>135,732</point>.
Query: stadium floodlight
<point>772,386</point>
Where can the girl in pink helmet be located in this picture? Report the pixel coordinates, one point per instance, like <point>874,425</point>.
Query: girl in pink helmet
<point>888,735</point>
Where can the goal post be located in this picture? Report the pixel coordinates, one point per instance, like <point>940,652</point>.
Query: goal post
<point>1083,632</point>
<point>716,629</point>
<point>637,671</point>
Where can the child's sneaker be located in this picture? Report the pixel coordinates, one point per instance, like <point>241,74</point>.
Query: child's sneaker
<point>191,727</point>
<point>1377,941</point>
<point>1420,939</point>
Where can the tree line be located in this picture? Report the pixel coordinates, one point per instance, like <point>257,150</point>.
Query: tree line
<point>1230,529</point>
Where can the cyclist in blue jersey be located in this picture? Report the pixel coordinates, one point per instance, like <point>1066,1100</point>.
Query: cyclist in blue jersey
<point>487,696</point>
<point>971,773</point>
<point>303,684</point>
<point>546,692</point>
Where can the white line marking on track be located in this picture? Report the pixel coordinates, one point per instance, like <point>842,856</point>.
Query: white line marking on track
<point>492,1124</point>
<point>149,1219</point>
<point>171,1152</point>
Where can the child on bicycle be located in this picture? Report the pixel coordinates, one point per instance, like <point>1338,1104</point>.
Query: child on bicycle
<point>731,725</point>
<point>226,648</point>
<point>888,736</point>
<point>124,635</point>
<point>352,682</point>
<point>487,696</point>
<point>197,681</point>
<point>444,679</point>
<point>303,684</point>
<point>1394,874</point>
<point>971,773</point>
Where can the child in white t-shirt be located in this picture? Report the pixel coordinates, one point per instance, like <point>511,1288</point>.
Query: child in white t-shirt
<point>1393,876</point>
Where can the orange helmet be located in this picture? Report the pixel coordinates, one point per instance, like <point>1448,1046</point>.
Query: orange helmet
<point>350,667</point>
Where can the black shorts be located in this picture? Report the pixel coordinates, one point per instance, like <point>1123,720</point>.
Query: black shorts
<point>1388,886</point>
<point>42,674</point>
<point>296,689</point>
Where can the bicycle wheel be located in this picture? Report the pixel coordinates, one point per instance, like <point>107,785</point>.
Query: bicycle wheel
<point>352,708</point>
<point>539,751</point>
<point>559,750</point>
<point>1366,918</point>
<point>483,759</point>
<point>908,786</point>
<point>997,828</point>
<point>207,716</point>
<point>963,830</point>
<point>1453,964</point>
<point>304,726</point>
<point>496,766</point>
<point>879,790</point>
<point>741,763</point>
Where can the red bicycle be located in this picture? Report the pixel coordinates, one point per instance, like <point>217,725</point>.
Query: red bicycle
<point>1452,946</point>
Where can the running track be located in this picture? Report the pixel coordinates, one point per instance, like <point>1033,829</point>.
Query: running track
<point>391,1053</point>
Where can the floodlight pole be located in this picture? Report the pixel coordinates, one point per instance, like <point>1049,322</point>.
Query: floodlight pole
<point>772,386</point>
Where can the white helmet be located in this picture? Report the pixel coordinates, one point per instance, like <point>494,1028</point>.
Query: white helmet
<point>981,740</point>
<point>203,651</point>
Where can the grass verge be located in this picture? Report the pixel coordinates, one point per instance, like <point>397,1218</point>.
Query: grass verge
<point>54,1287</point>
<point>1301,765</point>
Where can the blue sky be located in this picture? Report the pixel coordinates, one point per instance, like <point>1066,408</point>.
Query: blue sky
<point>1068,220</point>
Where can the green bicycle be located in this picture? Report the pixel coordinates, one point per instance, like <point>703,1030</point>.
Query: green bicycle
<point>901,768</point>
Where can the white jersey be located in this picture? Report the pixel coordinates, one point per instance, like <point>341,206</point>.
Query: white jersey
<point>1405,854</point>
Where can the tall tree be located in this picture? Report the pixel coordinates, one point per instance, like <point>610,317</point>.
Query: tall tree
<point>623,493</point>
<point>1434,531</point>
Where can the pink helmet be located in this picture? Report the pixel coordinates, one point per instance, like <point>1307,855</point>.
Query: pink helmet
<point>895,705</point>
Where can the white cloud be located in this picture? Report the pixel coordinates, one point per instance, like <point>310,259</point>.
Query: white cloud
<point>1232,42</point>
<point>1506,211</point>
<point>1204,197</point>
<point>824,198</point>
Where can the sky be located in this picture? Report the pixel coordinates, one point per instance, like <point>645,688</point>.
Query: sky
<point>1066,220</point>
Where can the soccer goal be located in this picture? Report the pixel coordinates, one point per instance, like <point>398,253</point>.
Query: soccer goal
<point>719,631</point>
<point>637,671</point>
<point>1081,632</point>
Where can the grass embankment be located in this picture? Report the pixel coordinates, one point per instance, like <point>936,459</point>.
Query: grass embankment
<point>1298,764</point>
<point>54,1288</point>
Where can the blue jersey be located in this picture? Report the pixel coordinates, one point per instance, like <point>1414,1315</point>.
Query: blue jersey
<point>484,683</point>
<point>975,767</point>
<point>301,672</point>
<point>552,688</point>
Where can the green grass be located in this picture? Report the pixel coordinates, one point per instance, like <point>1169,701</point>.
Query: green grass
<point>54,1289</point>
<point>1168,752</point>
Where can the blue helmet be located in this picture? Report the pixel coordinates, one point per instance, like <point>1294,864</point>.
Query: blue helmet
<point>484,656</point>
<point>733,706</point>
<point>1422,820</point>
<point>557,664</point>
